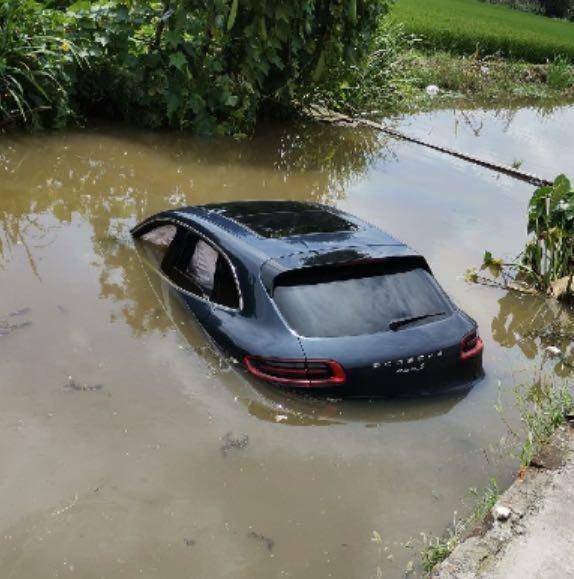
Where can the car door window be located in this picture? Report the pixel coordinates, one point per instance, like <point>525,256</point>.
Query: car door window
<point>158,240</point>
<point>203,270</point>
<point>202,265</point>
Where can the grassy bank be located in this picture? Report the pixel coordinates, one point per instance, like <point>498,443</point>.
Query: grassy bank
<point>468,26</point>
<point>489,81</point>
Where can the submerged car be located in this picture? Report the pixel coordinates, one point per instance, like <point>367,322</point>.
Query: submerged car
<point>306,296</point>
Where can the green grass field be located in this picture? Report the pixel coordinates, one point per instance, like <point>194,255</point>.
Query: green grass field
<point>462,26</point>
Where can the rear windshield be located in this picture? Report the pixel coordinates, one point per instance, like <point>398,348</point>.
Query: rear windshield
<point>357,301</point>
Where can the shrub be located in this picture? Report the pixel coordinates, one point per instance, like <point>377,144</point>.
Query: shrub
<point>35,65</point>
<point>214,65</point>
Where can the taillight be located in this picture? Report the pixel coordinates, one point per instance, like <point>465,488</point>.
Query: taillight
<point>307,373</point>
<point>471,345</point>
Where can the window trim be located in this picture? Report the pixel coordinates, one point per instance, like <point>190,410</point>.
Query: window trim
<point>170,220</point>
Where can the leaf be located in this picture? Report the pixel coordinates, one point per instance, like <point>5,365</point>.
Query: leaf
<point>232,14</point>
<point>173,101</point>
<point>177,60</point>
<point>173,38</point>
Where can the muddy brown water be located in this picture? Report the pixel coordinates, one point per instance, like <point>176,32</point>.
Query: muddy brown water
<point>128,449</point>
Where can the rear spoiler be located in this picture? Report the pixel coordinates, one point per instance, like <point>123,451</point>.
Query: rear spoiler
<point>312,264</point>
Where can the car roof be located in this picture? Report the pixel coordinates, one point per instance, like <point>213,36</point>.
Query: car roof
<point>291,233</point>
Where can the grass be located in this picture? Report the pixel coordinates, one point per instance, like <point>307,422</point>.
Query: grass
<point>437,549</point>
<point>466,80</point>
<point>542,408</point>
<point>470,26</point>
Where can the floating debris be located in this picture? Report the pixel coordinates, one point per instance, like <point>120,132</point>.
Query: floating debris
<point>20,312</point>
<point>73,385</point>
<point>267,541</point>
<point>189,542</point>
<point>231,442</point>
<point>9,327</point>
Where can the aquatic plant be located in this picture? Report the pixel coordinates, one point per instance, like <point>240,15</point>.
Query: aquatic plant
<point>549,253</point>
<point>547,261</point>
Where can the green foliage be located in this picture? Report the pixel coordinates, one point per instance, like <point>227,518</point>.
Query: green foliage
<point>465,80</point>
<point>468,26</point>
<point>209,65</point>
<point>380,82</point>
<point>549,253</point>
<point>560,75</point>
<point>215,65</point>
<point>547,262</point>
<point>35,65</point>
<point>542,409</point>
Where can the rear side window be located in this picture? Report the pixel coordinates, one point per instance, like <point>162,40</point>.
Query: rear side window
<point>359,300</point>
<point>203,270</point>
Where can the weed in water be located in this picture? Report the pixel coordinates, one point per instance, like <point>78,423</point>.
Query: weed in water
<point>547,262</point>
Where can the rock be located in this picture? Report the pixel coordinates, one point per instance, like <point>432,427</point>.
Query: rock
<point>501,513</point>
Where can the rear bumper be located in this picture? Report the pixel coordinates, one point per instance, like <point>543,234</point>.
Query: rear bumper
<point>456,378</point>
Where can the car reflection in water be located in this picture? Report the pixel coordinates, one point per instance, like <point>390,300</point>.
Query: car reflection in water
<point>284,406</point>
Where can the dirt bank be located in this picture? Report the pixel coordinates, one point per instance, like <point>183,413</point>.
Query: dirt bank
<point>530,531</point>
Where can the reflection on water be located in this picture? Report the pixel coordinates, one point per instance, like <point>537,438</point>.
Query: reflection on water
<point>534,323</point>
<point>129,479</point>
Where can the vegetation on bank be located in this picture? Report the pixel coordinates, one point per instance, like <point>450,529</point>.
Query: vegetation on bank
<point>547,262</point>
<point>212,66</point>
<point>470,26</point>
<point>437,549</point>
<point>542,408</point>
<point>218,66</point>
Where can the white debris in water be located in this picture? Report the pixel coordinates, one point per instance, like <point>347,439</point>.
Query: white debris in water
<point>280,418</point>
<point>432,90</point>
<point>553,350</point>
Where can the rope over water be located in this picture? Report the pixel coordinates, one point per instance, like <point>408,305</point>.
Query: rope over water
<point>327,116</point>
